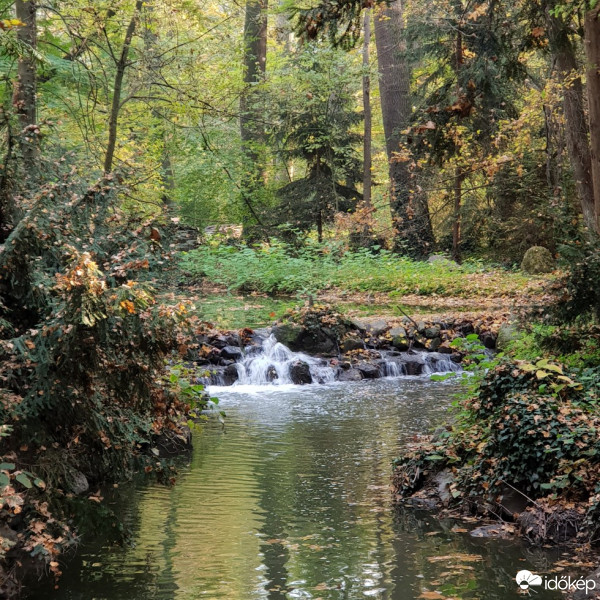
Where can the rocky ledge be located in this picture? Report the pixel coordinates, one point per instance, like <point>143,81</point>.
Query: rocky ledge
<point>352,349</point>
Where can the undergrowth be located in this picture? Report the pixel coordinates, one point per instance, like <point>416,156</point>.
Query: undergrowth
<point>278,268</point>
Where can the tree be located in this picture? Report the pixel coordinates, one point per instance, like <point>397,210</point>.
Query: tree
<point>592,50</point>
<point>25,93</point>
<point>316,121</point>
<point>251,116</point>
<point>410,213</point>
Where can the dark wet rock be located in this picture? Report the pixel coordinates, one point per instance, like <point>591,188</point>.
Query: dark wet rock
<point>399,337</point>
<point>488,339</point>
<point>501,531</point>
<point>413,363</point>
<point>445,349</point>
<point>456,357</point>
<point>350,375</point>
<point>434,344</point>
<point>345,366</point>
<point>431,332</point>
<point>465,329</point>
<point>351,342</point>
<point>218,341</point>
<point>368,370</point>
<point>300,373</point>
<point>421,326</point>
<point>272,373</point>
<point>313,341</point>
<point>230,374</point>
<point>421,503</point>
<point>232,352</point>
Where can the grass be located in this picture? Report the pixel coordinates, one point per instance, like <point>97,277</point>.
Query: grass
<point>277,269</point>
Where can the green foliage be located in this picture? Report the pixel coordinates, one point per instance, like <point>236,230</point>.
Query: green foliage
<point>579,293</point>
<point>532,426</point>
<point>280,268</point>
<point>82,360</point>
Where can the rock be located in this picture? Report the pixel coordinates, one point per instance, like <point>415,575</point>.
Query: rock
<point>77,482</point>
<point>368,370</point>
<point>375,327</point>
<point>421,326</point>
<point>445,348</point>
<point>442,481</point>
<point>230,375</point>
<point>434,344</point>
<point>456,357</point>
<point>413,364</point>
<point>351,342</point>
<point>538,260</point>
<point>431,332</point>
<point>397,331</point>
<point>400,343</point>
<point>350,375</point>
<point>465,329</point>
<point>272,373</point>
<point>232,353</point>
<point>300,373</point>
<point>218,341</point>
<point>500,531</point>
<point>488,339</point>
<point>507,333</point>
<point>288,334</point>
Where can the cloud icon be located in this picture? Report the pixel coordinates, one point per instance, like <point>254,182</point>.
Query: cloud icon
<point>525,579</point>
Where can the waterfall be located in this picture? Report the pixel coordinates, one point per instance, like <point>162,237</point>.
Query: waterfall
<point>272,363</point>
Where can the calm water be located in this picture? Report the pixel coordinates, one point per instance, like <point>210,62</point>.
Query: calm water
<point>293,501</point>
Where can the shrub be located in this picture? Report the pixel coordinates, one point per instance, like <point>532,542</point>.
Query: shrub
<point>84,345</point>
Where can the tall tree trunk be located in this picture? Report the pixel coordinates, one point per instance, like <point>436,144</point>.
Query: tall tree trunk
<point>576,125</point>
<point>410,213</point>
<point>458,173</point>
<point>592,50</point>
<point>459,177</point>
<point>251,117</point>
<point>121,67</point>
<point>368,119</point>
<point>25,100</point>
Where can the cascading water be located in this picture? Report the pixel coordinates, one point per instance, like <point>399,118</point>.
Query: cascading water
<point>272,363</point>
<point>275,362</point>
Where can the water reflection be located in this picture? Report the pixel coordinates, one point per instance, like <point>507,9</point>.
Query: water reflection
<point>292,501</point>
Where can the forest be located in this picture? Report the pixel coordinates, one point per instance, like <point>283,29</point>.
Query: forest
<point>350,190</point>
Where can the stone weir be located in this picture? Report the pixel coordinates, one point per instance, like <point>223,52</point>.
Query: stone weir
<point>318,345</point>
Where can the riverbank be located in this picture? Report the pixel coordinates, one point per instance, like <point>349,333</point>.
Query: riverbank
<point>523,445</point>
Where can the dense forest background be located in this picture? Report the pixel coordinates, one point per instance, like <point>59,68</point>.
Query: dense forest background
<point>457,127</point>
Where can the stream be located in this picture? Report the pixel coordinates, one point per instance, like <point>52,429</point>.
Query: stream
<point>292,500</point>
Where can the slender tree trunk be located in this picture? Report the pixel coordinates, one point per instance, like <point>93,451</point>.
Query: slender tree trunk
<point>458,173</point>
<point>368,119</point>
<point>251,117</point>
<point>592,50</point>
<point>121,67</point>
<point>456,225</point>
<point>25,100</point>
<point>576,125</point>
<point>410,213</point>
